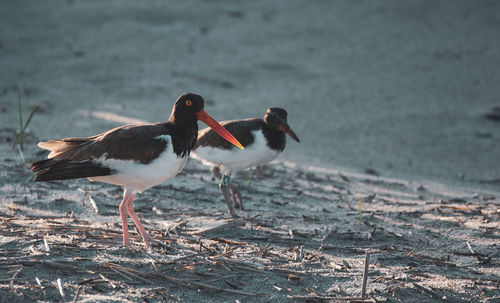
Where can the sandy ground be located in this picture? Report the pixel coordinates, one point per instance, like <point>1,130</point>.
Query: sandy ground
<point>300,238</point>
<point>388,98</point>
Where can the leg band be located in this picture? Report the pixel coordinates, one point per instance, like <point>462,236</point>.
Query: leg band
<point>225,180</point>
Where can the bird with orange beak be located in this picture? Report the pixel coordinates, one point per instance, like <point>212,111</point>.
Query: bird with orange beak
<point>135,157</point>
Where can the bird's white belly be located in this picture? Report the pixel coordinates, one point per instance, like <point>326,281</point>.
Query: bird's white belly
<point>236,159</point>
<point>137,176</point>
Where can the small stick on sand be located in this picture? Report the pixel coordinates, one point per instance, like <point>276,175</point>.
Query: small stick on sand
<point>242,262</point>
<point>331,299</point>
<point>344,177</point>
<point>129,271</point>
<point>78,290</point>
<point>13,278</point>
<point>92,202</point>
<point>365,275</point>
<point>60,287</point>
<point>154,260</point>
<point>222,240</point>
<point>470,248</point>
<point>430,292</point>
<point>121,274</point>
<point>327,233</point>
<point>46,244</point>
<point>202,285</point>
<point>107,280</point>
<point>347,265</point>
<point>187,257</point>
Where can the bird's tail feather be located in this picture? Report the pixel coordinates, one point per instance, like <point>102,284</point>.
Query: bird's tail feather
<point>64,169</point>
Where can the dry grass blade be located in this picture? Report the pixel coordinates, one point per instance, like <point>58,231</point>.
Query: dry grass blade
<point>241,262</point>
<point>207,286</point>
<point>60,287</point>
<point>430,292</point>
<point>107,280</point>
<point>365,274</point>
<point>92,203</point>
<point>131,272</point>
<point>46,244</point>
<point>77,294</point>
<point>121,274</point>
<point>185,257</point>
<point>228,241</point>
<point>470,248</point>
<point>332,299</point>
<point>14,278</point>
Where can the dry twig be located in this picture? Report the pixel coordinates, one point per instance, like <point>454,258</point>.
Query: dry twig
<point>365,275</point>
<point>207,286</point>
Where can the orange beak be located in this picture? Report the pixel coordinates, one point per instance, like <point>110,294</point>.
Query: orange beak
<point>203,116</point>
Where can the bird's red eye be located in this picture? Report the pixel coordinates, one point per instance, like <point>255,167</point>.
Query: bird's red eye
<point>189,103</point>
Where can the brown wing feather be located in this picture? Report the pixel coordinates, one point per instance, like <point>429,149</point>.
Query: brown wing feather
<point>59,147</point>
<point>240,129</point>
<point>64,169</point>
<point>129,142</point>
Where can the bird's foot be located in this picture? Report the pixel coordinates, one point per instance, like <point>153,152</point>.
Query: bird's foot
<point>236,197</point>
<point>149,241</point>
<point>234,216</point>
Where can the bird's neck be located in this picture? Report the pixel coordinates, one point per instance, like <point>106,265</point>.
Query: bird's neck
<point>276,139</point>
<point>184,132</point>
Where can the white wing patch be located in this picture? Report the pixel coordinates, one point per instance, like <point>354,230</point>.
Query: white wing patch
<point>165,138</point>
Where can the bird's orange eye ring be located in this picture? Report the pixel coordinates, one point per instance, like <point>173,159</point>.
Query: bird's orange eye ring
<point>189,102</point>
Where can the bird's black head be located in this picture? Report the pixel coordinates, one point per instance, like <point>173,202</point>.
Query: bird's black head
<point>186,107</point>
<point>276,117</point>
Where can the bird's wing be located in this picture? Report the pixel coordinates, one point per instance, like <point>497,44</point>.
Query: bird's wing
<point>142,143</point>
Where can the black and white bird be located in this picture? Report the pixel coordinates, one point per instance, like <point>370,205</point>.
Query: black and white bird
<point>136,157</point>
<point>263,140</point>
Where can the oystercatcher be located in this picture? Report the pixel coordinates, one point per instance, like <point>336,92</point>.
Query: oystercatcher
<point>133,156</point>
<point>263,140</point>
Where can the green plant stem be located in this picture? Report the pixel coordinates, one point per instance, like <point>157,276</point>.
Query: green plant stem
<point>22,127</point>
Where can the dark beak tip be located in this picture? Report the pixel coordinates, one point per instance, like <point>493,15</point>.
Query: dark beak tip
<point>292,134</point>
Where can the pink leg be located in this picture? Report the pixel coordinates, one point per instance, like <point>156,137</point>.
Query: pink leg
<point>145,236</point>
<point>123,215</point>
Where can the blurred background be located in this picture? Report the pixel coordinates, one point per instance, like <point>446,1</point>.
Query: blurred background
<point>397,88</point>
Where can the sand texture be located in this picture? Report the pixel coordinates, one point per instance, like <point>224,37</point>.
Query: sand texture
<point>300,237</point>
